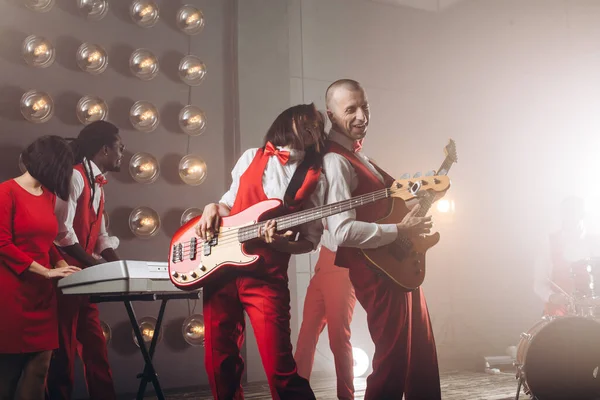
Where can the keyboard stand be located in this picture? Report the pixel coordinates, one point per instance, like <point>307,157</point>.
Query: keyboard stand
<point>149,373</point>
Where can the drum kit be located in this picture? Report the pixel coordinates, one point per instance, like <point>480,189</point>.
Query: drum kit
<point>559,357</point>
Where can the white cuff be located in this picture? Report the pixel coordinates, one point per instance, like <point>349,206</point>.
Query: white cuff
<point>106,242</point>
<point>66,239</point>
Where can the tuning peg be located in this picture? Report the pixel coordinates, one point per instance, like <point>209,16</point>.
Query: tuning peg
<point>405,176</point>
<point>430,173</point>
<point>417,175</point>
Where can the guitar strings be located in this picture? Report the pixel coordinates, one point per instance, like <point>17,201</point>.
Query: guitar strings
<point>233,235</point>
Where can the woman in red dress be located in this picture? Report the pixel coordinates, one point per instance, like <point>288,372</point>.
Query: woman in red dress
<point>28,322</point>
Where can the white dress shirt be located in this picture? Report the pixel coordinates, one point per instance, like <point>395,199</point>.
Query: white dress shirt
<point>342,180</point>
<point>276,179</point>
<point>65,214</point>
<point>577,246</point>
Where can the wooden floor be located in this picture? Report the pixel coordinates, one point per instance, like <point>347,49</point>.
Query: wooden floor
<point>455,386</point>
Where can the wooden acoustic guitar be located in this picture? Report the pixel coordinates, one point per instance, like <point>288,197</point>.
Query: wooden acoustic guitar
<point>403,261</point>
<point>195,263</point>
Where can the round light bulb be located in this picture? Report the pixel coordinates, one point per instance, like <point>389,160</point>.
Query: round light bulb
<point>192,120</point>
<point>193,330</point>
<point>144,116</point>
<point>189,214</point>
<point>106,331</point>
<point>90,109</point>
<point>144,13</point>
<point>38,51</point>
<point>144,64</point>
<point>144,168</point>
<point>144,222</point>
<point>92,58</point>
<point>93,10</point>
<point>192,170</point>
<point>37,106</point>
<point>190,20</point>
<point>445,206</point>
<point>38,5</point>
<point>361,361</point>
<point>147,327</point>
<point>192,70</point>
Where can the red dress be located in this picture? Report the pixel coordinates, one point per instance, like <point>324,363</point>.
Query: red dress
<point>28,226</point>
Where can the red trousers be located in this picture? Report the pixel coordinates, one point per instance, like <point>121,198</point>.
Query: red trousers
<point>267,304</point>
<point>405,360</point>
<point>329,301</point>
<point>79,324</point>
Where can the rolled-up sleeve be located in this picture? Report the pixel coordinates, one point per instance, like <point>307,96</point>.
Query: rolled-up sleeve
<point>105,241</point>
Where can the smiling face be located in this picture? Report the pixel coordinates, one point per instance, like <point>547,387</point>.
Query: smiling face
<point>348,111</point>
<point>113,156</point>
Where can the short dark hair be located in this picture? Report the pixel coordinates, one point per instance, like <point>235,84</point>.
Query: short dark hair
<point>49,160</point>
<point>92,138</point>
<point>305,117</point>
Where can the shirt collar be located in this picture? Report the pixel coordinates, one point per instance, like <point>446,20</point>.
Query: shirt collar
<point>95,170</point>
<point>341,139</point>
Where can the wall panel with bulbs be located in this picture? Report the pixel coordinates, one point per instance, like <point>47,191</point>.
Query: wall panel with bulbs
<point>169,92</point>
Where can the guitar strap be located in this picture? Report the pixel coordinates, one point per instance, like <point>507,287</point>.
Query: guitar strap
<point>289,199</point>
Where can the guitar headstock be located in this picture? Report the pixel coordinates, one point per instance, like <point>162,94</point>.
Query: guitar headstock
<point>407,189</point>
<point>450,151</point>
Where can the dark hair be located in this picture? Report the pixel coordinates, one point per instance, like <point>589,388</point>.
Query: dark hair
<point>49,160</point>
<point>304,118</point>
<point>92,138</point>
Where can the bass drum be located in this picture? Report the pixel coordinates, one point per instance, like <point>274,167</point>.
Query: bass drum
<point>559,358</point>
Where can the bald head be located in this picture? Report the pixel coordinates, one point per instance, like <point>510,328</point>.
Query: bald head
<point>346,84</point>
<point>348,108</point>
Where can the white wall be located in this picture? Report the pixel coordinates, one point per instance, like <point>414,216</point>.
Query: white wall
<point>515,83</point>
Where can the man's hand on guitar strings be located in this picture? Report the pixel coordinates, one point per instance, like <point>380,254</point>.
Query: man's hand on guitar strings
<point>414,226</point>
<point>209,222</point>
<point>268,233</point>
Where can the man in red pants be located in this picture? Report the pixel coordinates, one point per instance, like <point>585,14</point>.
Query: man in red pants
<point>329,301</point>
<point>405,360</point>
<point>82,233</point>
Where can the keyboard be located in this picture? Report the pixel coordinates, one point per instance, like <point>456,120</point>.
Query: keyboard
<point>120,277</point>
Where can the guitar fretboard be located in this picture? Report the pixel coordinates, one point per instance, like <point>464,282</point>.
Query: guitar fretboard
<point>313,214</point>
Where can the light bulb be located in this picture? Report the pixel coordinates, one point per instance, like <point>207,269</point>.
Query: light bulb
<point>192,170</point>
<point>190,20</point>
<point>38,52</point>
<point>192,120</point>
<point>92,58</point>
<point>144,64</point>
<point>192,70</point>
<point>189,214</point>
<point>144,222</point>
<point>37,106</point>
<point>144,116</point>
<point>144,168</point>
<point>193,330</point>
<point>90,109</point>
<point>144,13</point>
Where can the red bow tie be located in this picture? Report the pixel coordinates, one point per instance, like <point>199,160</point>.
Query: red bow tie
<point>101,180</point>
<point>357,145</point>
<point>283,156</point>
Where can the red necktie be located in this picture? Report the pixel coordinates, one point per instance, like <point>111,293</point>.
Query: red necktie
<point>271,150</point>
<point>101,180</point>
<point>357,145</point>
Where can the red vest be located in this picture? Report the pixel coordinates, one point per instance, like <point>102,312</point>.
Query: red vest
<point>367,183</point>
<point>86,223</point>
<point>250,192</point>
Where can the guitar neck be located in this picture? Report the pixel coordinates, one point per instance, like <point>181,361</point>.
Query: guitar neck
<point>313,214</point>
<point>427,200</point>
